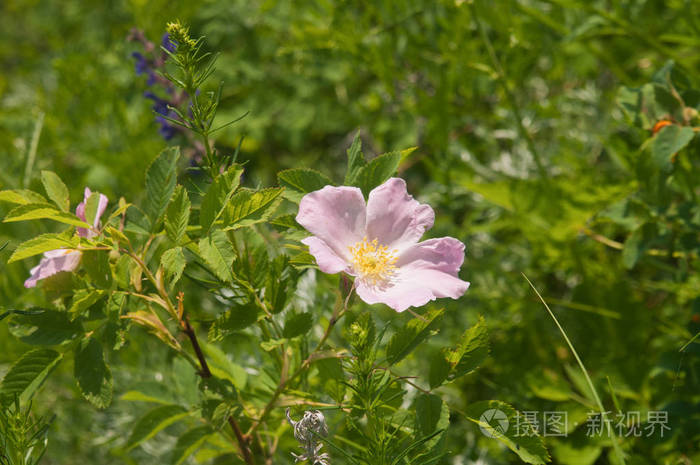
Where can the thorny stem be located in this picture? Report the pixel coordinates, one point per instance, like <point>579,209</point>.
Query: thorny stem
<point>187,328</point>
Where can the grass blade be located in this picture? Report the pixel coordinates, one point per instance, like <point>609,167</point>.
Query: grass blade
<point>616,446</point>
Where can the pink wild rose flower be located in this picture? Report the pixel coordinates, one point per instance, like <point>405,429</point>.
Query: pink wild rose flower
<point>377,243</point>
<point>55,261</point>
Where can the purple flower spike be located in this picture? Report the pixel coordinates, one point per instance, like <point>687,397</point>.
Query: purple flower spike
<point>168,44</point>
<point>160,105</point>
<point>141,65</point>
<point>166,130</point>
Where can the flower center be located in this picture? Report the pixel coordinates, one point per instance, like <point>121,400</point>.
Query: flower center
<point>373,262</point>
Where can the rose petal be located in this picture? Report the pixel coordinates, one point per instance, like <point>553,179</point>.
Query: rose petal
<point>80,213</point>
<point>444,254</point>
<point>394,218</point>
<point>424,272</point>
<point>54,261</point>
<point>336,215</point>
<point>328,261</point>
<point>101,207</point>
<point>413,288</point>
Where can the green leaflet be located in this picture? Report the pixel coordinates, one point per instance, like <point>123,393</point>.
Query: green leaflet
<point>356,160</point>
<point>501,421</point>
<point>297,324</point>
<point>27,374</point>
<point>173,262</point>
<point>153,422</point>
<point>432,415</point>
<point>160,183</point>
<point>668,142</point>
<point>217,252</point>
<point>56,189</point>
<point>408,337</point>
<point>300,181</point>
<point>189,442</point>
<point>218,196</point>
<point>41,244</point>
<point>471,351</point>
<point>379,169</point>
<point>38,211</point>
<point>46,328</point>
<point>249,207</point>
<point>234,319</point>
<point>177,215</point>
<point>92,373</point>
<point>21,196</point>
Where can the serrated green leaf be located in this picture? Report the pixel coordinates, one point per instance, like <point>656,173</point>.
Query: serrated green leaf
<point>223,367</point>
<point>21,197</point>
<point>377,170</point>
<point>471,351</point>
<point>235,319</point>
<point>45,328</point>
<point>637,243</point>
<point>96,263</point>
<point>218,196</point>
<point>330,370</point>
<point>284,222</point>
<point>173,262</point>
<point>502,422</point>
<point>160,183</point>
<point>84,299</point>
<point>153,422</point>
<point>280,283</point>
<point>248,207</point>
<point>300,181</point>
<point>356,160</point>
<point>408,337</point>
<point>38,211</point>
<point>56,189</point>
<point>217,252</point>
<point>177,215</point>
<point>139,396</point>
<point>92,373</point>
<point>432,415</point>
<point>668,142</point>
<point>41,244</point>
<point>28,373</point>
<point>188,443</point>
<point>297,324</point>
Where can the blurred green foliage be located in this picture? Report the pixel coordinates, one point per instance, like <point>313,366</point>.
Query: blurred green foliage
<point>533,122</point>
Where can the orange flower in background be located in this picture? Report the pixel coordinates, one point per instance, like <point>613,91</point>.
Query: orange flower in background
<point>659,125</point>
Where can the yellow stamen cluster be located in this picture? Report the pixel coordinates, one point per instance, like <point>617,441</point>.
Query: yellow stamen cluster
<point>373,262</point>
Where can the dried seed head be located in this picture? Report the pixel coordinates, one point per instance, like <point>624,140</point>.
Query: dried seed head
<point>307,431</point>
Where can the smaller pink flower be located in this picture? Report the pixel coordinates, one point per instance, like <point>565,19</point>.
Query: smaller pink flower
<point>55,261</point>
<point>377,243</point>
<point>80,212</point>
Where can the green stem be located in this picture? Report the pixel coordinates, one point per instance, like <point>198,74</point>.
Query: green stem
<point>338,313</point>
